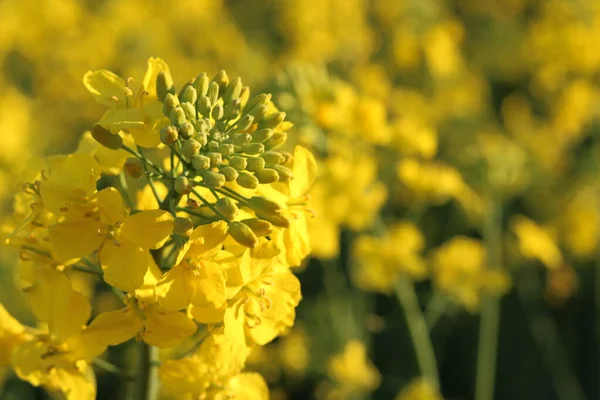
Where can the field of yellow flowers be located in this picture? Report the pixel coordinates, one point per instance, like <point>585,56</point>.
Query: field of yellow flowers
<point>289,200</point>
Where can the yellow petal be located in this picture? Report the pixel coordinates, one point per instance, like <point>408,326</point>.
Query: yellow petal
<point>248,386</point>
<point>305,172</point>
<point>28,363</point>
<point>213,236</point>
<point>75,239</point>
<point>207,285</point>
<point>104,85</point>
<point>122,119</point>
<point>172,291</point>
<point>111,203</point>
<point>155,65</point>
<point>208,314</point>
<point>109,329</point>
<point>124,265</point>
<point>167,328</point>
<point>149,229</point>
<point>12,334</point>
<point>76,384</point>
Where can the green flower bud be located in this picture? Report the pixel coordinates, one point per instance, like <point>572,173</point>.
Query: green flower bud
<point>233,90</point>
<point>216,137</point>
<point>183,226</point>
<point>261,135</point>
<point>213,179</point>
<point>273,120</point>
<point>244,96</point>
<point>278,220</point>
<point>255,164</point>
<point>288,159</point>
<point>203,106</point>
<point>164,85</point>
<point>226,149</point>
<point>227,207</point>
<point>258,226</point>
<point>183,185</point>
<point>242,234</point>
<point>260,99</point>
<point>267,175</point>
<point>169,135</point>
<point>243,124</point>
<point>232,110</point>
<point>254,148</point>
<point>241,139</point>
<point>200,125</point>
<point>187,131</point>
<point>189,94</point>
<point>134,167</point>
<point>221,79</point>
<point>215,159</point>
<point>189,148</point>
<point>213,92</point>
<point>190,111</point>
<point>258,112</point>
<point>264,205</point>
<point>247,180</point>
<point>217,112</point>
<point>202,138</point>
<point>177,116</point>
<point>213,146</point>
<point>106,138</point>
<point>273,157</point>
<point>206,212</point>
<point>200,162</point>
<point>171,101</point>
<point>276,141</point>
<point>285,174</point>
<point>238,163</point>
<point>201,84</point>
<point>229,172</point>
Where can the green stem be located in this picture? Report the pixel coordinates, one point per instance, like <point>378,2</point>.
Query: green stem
<point>147,387</point>
<point>419,332</point>
<point>490,307</point>
<point>436,308</point>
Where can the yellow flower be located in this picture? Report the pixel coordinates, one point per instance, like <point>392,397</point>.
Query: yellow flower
<point>12,334</point>
<point>122,240</point>
<point>352,370</point>
<point>536,243</point>
<point>419,389</point>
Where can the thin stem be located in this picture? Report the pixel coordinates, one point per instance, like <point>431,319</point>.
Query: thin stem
<point>144,159</point>
<point>213,208</point>
<point>154,190</point>
<point>435,309</point>
<point>147,387</point>
<point>490,308</point>
<point>110,367</point>
<point>419,332</point>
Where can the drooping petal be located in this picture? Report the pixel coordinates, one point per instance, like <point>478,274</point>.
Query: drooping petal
<point>75,239</point>
<point>148,229</point>
<point>124,264</point>
<point>104,85</point>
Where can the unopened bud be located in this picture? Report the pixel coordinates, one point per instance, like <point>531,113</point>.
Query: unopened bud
<point>189,148</point>
<point>276,141</point>
<point>238,163</point>
<point>217,112</point>
<point>215,159</point>
<point>254,148</point>
<point>164,85</point>
<point>183,226</point>
<point>261,135</point>
<point>213,146</point>
<point>201,84</point>
<point>200,162</point>
<point>177,116</point>
<point>213,179</point>
<point>273,157</point>
<point>258,111</point>
<point>187,131</point>
<point>258,226</point>
<point>260,99</point>
<point>285,174</point>
<point>227,207</point>
<point>233,90</point>
<point>247,180</point>
<point>244,96</point>
<point>189,94</point>
<point>202,138</point>
<point>203,106</point>
<point>288,159</point>
<point>213,92</point>
<point>278,220</point>
<point>228,172</point>
<point>200,125</point>
<point>240,139</point>
<point>262,204</point>
<point>266,176</point>
<point>221,79</point>
<point>243,123</point>
<point>183,185</point>
<point>168,135</point>
<point>226,149</point>
<point>273,120</point>
<point>134,167</point>
<point>232,110</point>
<point>171,101</point>
<point>189,110</point>
<point>255,164</point>
<point>242,234</point>
<point>106,138</point>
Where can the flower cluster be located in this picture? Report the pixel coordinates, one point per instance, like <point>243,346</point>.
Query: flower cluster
<point>183,206</point>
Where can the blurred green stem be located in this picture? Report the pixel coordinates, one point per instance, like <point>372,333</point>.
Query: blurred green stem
<point>490,307</point>
<point>546,335</point>
<point>147,383</point>
<point>436,308</point>
<point>419,331</point>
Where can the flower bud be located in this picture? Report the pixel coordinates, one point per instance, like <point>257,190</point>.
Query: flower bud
<point>278,220</point>
<point>266,176</point>
<point>177,116</point>
<point>169,135</point>
<point>240,139</point>
<point>262,204</point>
<point>233,90</point>
<point>202,138</point>
<point>189,148</point>
<point>183,226</point>
<point>106,138</point>
<point>164,85</point>
<point>171,101</point>
<point>227,207</point>
<point>213,179</point>
<point>186,130</point>
<point>226,149</point>
<point>189,94</point>
<point>244,96</point>
<point>217,112</point>
<point>243,123</point>
<point>221,79</point>
<point>213,92</point>
<point>258,226</point>
<point>261,135</point>
<point>189,110</point>
<point>260,99</point>
<point>183,185</point>
<point>213,146</point>
<point>258,112</point>
<point>200,125</point>
<point>272,121</point>
<point>215,159</point>
<point>276,141</point>
<point>203,106</point>
<point>285,174</point>
<point>247,180</point>
<point>200,162</point>
<point>228,172</point>
<point>288,159</point>
<point>273,157</point>
<point>238,163</point>
<point>201,84</point>
<point>254,148</point>
<point>134,167</point>
<point>255,164</point>
<point>242,234</point>
<point>232,110</point>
